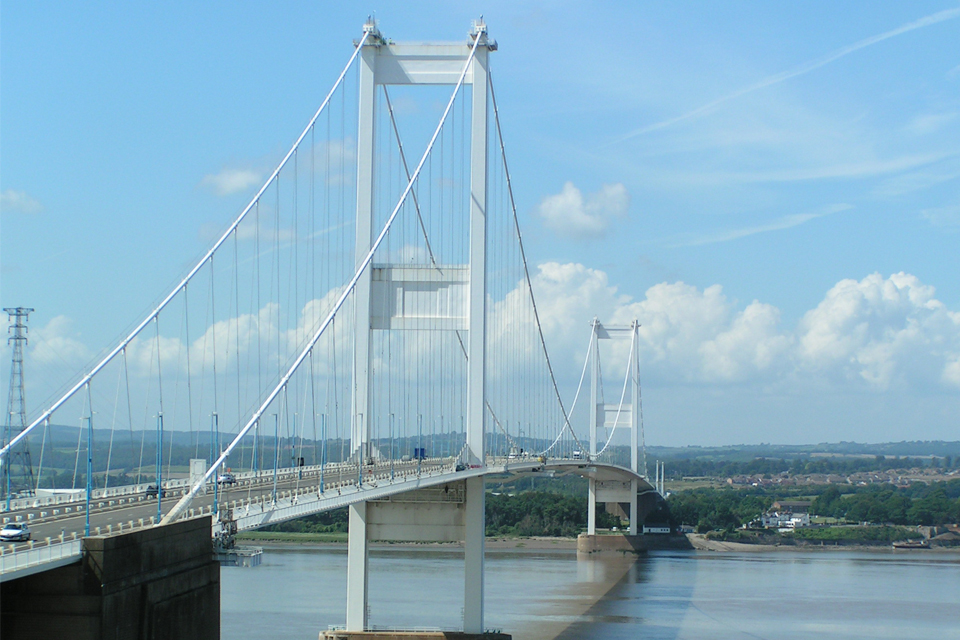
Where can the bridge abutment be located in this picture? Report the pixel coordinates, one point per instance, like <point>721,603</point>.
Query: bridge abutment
<point>152,584</point>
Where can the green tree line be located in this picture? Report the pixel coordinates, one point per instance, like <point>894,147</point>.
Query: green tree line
<point>729,508</point>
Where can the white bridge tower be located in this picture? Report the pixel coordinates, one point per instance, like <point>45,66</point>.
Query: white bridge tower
<point>612,416</point>
<point>456,295</point>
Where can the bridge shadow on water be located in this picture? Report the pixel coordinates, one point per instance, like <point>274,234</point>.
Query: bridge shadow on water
<point>616,596</point>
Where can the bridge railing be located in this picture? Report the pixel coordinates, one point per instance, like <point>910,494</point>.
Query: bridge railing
<point>20,560</point>
<point>178,486</point>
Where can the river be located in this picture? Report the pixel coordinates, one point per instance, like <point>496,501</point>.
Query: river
<point>546,594</point>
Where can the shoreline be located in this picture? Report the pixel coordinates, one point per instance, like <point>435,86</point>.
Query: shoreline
<point>698,543</point>
<point>535,543</point>
<point>701,543</point>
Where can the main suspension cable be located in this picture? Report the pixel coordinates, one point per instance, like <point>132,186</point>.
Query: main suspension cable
<point>526,269</point>
<point>207,256</point>
<point>348,289</point>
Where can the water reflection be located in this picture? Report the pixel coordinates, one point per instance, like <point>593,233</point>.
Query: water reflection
<point>550,595</point>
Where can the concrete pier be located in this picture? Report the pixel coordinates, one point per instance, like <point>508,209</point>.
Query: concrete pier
<point>587,543</point>
<point>151,584</point>
<point>614,543</point>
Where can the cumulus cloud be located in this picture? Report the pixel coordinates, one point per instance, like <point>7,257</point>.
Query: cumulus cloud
<point>881,330</point>
<point>58,344</point>
<point>570,214</point>
<point>20,201</point>
<point>230,181</point>
<point>874,333</point>
<point>686,334</point>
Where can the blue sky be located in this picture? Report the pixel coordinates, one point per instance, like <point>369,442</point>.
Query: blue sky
<point>774,190</point>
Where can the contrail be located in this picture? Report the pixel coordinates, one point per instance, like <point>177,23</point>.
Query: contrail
<point>786,222</point>
<point>806,67</point>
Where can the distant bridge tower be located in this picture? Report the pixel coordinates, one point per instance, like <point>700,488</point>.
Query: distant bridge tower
<point>17,468</point>
<point>624,415</point>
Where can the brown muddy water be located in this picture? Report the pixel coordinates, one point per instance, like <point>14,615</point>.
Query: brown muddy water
<point>546,594</point>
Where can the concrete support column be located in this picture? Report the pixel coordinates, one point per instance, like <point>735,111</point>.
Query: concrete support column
<point>477,310</point>
<point>474,526</point>
<point>635,402</point>
<point>357,572</point>
<point>366,136</point>
<point>592,507</point>
<point>634,507</point>
<point>594,423</point>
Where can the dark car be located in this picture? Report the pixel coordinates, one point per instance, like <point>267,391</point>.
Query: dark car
<point>152,491</point>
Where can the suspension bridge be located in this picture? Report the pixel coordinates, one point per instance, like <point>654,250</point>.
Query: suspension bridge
<point>363,334</point>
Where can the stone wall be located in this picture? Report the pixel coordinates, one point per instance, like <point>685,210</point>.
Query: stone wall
<point>151,584</point>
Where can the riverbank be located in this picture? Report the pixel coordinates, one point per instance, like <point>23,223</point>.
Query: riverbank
<point>701,543</point>
<point>698,542</point>
<point>285,538</point>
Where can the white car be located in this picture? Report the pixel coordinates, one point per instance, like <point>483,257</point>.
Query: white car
<point>15,532</point>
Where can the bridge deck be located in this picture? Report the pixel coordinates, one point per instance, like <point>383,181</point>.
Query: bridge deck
<point>57,535</point>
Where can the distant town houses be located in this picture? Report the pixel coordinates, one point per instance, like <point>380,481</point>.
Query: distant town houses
<point>777,520</point>
<point>787,514</point>
<point>897,477</point>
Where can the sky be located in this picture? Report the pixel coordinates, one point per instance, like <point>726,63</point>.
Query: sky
<point>772,190</point>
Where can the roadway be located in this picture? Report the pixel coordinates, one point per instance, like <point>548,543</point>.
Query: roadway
<point>137,509</point>
<point>258,500</point>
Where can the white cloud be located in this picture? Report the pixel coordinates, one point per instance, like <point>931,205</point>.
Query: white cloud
<point>750,345</point>
<point>230,181</point>
<point>881,330</point>
<point>20,201</point>
<point>686,335</point>
<point>57,344</point>
<point>874,333</point>
<point>569,214</point>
